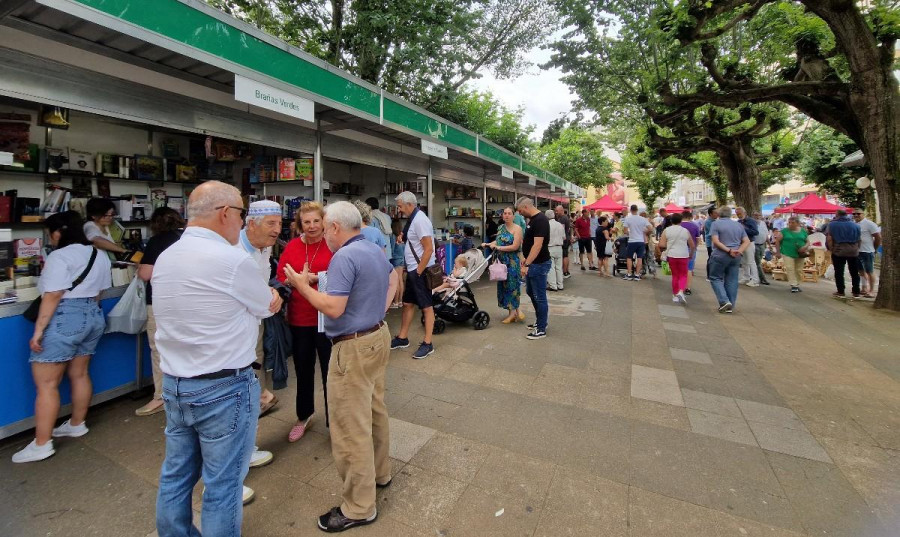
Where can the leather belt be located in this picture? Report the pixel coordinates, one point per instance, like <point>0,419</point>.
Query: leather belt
<point>359,334</point>
<point>224,373</point>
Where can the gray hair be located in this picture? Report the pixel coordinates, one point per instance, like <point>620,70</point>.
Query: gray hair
<point>407,197</point>
<point>344,214</point>
<point>211,194</point>
<point>739,208</point>
<point>524,201</point>
<point>365,212</point>
<point>724,211</point>
<point>550,214</point>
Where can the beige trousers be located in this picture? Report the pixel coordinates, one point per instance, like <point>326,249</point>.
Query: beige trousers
<point>360,438</point>
<point>154,354</point>
<point>794,269</point>
<point>261,373</point>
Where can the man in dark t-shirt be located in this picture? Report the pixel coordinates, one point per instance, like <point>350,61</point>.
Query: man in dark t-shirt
<point>536,249</point>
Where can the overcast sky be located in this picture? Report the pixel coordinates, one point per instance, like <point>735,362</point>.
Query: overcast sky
<point>541,92</point>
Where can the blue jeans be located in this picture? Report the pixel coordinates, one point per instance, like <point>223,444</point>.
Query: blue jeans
<point>210,431</point>
<point>536,287</point>
<point>723,277</point>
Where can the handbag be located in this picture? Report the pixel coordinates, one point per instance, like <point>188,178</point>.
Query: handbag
<point>609,249</point>
<point>434,275</point>
<point>31,313</point>
<point>498,271</point>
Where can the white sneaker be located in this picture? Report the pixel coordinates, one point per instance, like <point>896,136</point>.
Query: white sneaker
<point>248,495</point>
<point>33,452</point>
<point>67,429</point>
<point>260,457</point>
<point>752,284</point>
<point>675,298</point>
<point>681,298</point>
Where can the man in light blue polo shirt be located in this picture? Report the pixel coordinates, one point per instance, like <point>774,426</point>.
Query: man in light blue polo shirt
<point>360,285</point>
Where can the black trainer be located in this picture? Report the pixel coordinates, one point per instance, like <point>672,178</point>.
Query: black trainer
<point>399,343</point>
<point>334,521</point>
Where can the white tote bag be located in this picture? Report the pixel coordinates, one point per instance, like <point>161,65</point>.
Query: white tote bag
<point>130,314</point>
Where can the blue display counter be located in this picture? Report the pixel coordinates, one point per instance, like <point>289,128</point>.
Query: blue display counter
<point>121,365</point>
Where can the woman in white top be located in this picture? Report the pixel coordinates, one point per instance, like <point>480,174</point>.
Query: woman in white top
<point>679,247</point>
<point>69,326</point>
<point>100,213</point>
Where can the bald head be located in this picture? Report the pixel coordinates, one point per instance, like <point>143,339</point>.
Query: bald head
<point>217,206</point>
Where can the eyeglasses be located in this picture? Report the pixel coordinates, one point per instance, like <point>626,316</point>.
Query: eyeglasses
<point>241,209</point>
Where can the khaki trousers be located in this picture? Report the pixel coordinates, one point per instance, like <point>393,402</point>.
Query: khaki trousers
<point>154,354</point>
<point>793,267</point>
<point>261,373</point>
<point>360,438</point>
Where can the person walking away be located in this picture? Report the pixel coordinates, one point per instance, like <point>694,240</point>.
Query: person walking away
<point>68,327</point>
<point>869,242</point>
<point>713,216</point>
<point>166,225</point>
<point>371,234</point>
<point>507,246</point>
<point>535,249</point>
<point>658,222</point>
<point>309,250</point>
<point>729,240</point>
<point>358,290</point>
<point>419,255</point>
<point>748,276</point>
<point>842,239</point>
<point>696,234</point>
<point>379,220</point>
<point>585,239</point>
<point>638,228</point>
<point>397,260</point>
<point>790,243</point>
<point>604,236</point>
<point>567,242</point>
<point>679,245</point>
<point>557,235</point>
<point>208,298</point>
<point>760,243</point>
<point>594,222</point>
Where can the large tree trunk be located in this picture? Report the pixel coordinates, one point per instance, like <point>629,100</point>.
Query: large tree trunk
<point>743,176</point>
<point>875,103</point>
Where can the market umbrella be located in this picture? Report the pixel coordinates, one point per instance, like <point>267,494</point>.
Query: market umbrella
<point>811,204</point>
<point>672,208</point>
<point>606,205</point>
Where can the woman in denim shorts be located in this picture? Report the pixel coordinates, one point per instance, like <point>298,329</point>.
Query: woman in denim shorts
<point>68,328</point>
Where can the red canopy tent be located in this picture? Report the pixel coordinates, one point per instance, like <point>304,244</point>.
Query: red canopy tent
<point>672,208</point>
<point>811,204</point>
<point>605,205</point>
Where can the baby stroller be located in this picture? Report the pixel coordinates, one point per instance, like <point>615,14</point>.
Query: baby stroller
<point>621,260</point>
<point>458,303</point>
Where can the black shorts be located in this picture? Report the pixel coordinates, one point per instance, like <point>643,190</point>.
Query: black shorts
<point>584,246</point>
<point>416,291</point>
<point>635,249</point>
<point>565,247</point>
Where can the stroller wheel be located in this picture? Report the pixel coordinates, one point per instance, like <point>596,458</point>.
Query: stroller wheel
<point>481,320</point>
<point>439,326</point>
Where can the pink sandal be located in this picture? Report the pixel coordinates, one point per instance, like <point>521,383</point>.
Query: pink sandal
<point>298,430</point>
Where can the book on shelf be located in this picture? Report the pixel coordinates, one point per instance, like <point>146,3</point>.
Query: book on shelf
<point>287,169</point>
<point>80,162</point>
<point>176,203</point>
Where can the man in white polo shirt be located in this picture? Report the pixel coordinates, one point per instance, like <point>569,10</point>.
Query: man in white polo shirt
<point>208,300</point>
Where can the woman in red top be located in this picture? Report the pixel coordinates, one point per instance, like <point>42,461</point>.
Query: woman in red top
<point>307,249</point>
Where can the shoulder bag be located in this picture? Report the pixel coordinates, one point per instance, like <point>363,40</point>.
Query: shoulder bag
<point>31,314</point>
<point>498,271</point>
<point>434,275</point>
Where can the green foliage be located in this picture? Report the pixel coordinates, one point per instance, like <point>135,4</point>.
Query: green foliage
<point>821,154</point>
<point>578,155</point>
<point>553,130</point>
<point>421,50</point>
<point>482,113</point>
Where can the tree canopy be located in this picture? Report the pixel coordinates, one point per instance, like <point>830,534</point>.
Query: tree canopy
<point>579,155</point>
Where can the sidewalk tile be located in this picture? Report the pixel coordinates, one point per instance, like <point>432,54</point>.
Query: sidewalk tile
<point>408,438</point>
<point>708,402</point>
<point>656,515</point>
<point>678,327</point>
<point>452,456</point>
<point>788,441</point>
<point>770,414</point>
<point>421,499</point>
<point>673,311</point>
<point>690,356</point>
<point>511,474</point>
<point>582,505</point>
<point>718,426</point>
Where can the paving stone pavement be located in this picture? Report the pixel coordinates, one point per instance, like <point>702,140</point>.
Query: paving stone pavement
<point>634,417</point>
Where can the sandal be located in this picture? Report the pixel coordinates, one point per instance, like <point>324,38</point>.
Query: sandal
<point>149,409</point>
<point>263,408</point>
